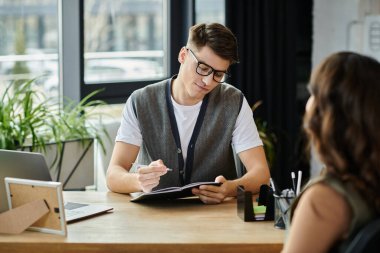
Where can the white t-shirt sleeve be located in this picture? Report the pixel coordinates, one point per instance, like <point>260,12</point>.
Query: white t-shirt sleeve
<point>129,130</point>
<point>245,134</point>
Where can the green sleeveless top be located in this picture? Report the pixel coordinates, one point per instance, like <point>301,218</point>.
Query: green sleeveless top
<point>361,212</point>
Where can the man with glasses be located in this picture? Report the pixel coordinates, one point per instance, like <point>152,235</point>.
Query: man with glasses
<point>189,124</point>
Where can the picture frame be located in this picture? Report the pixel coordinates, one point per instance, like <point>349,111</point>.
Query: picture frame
<point>23,191</point>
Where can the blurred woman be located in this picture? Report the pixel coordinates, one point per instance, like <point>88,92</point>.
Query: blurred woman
<point>342,122</point>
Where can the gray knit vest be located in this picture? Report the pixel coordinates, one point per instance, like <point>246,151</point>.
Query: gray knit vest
<point>209,152</point>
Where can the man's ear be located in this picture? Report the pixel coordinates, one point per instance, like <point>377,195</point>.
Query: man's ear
<point>182,55</point>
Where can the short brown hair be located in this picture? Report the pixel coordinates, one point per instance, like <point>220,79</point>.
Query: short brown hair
<point>216,36</point>
<point>344,118</point>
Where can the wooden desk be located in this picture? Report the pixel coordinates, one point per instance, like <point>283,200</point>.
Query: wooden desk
<point>180,226</point>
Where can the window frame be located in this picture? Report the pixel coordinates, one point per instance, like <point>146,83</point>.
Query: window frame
<point>180,15</point>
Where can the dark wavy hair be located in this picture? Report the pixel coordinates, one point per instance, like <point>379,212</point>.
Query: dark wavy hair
<point>218,37</point>
<point>343,120</point>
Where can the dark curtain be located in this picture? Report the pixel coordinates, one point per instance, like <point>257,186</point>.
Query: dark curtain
<point>266,31</point>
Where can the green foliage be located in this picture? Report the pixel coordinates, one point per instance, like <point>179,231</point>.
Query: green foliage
<point>73,122</point>
<point>29,120</point>
<point>267,136</point>
<point>23,115</point>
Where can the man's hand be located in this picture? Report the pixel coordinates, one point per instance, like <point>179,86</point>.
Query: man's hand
<point>149,176</point>
<point>211,194</point>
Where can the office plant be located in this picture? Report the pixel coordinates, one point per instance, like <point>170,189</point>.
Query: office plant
<point>31,122</point>
<point>267,136</point>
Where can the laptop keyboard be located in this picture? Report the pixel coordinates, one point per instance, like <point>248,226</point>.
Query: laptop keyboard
<point>75,211</point>
<point>72,205</point>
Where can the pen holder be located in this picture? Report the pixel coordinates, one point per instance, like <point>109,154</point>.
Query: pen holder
<point>245,203</point>
<point>282,209</point>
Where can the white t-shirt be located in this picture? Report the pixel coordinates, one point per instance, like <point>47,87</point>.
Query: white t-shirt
<point>244,136</point>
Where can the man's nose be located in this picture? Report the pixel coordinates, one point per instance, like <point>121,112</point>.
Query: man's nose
<point>208,79</point>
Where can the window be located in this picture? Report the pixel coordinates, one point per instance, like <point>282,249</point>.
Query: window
<point>124,42</point>
<point>126,36</point>
<point>120,45</point>
<point>29,43</point>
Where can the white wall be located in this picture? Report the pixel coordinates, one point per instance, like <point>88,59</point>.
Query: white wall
<point>331,21</point>
<point>343,25</point>
<point>340,25</point>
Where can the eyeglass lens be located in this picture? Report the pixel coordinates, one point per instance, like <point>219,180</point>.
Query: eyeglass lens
<point>205,70</point>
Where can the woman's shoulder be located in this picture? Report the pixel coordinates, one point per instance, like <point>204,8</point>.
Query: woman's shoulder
<point>327,204</point>
<point>322,192</point>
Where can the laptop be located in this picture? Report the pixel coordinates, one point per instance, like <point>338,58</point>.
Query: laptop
<point>31,165</point>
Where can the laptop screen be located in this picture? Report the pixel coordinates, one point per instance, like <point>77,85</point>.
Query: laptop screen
<point>20,164</point>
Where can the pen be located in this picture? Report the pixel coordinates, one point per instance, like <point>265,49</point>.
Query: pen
<point>299,182</point>
<point>273,186</point>
<point>294,181</point>
<point>143,165</point>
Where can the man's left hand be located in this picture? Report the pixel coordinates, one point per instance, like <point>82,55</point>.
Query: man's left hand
<point>211,194</point>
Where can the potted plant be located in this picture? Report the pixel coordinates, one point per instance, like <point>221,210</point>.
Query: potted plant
<point>30,121</point>
<point>267,136</point>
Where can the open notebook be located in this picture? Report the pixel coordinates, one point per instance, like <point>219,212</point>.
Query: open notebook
<point>169,193</point>
<point>30,165</point>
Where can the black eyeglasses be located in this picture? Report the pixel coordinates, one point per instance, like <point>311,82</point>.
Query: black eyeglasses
<point>204,70</point>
